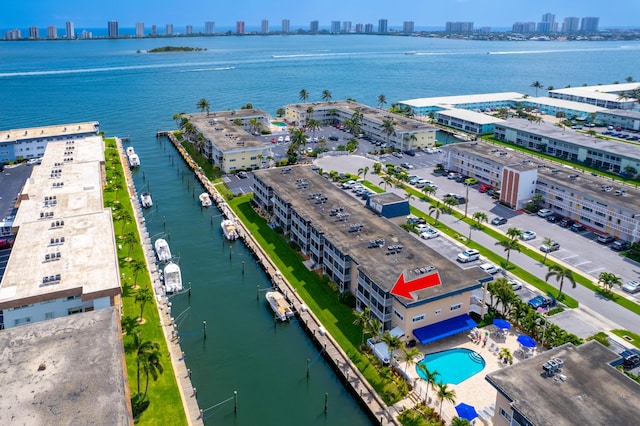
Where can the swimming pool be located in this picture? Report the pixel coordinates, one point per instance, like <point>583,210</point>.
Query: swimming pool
<point>453,365</point>
<point>279,123</point>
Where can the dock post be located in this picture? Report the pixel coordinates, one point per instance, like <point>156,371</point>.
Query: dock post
<point>258,292</point>
<point>308,368</point>
<point>235,401</point>
<point>243,268</point>
<point>326,401</point>
<point>204,329</point>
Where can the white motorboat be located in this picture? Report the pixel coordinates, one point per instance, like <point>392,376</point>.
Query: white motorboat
<point>205,200</point>
<point>132,157</point>
<point>279,305</point>
<point>130,151</point>
<point>229,229</point>
<point>172,278</point>
<point>162,250</point>
<point>145,200</point>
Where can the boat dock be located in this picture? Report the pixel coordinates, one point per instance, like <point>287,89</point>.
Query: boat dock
<point>348,373</point>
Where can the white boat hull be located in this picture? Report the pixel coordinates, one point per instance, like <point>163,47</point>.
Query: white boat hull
<point>162,250</point>
<point>229,229</point>
<point>172,278</point>
<point>205,200</point>
<point>145,200</point>
<point>279,305</point>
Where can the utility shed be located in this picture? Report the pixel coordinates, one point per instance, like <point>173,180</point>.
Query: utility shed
<point>388,205</point>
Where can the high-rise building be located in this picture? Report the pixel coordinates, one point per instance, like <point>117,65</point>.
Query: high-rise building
<point>335,27</point>
<point>359,28</point>
<point>346,26</point>
<point>240,27</point>
<point>459,27</point>
<point>34,33</point>
<point>14,34</point>
<point>264,26</point>
<point>209,27</point>
<point>168,29</point>
<point>86,35</point>
<point>189,29</point>
<point>383,26</point>
<point>52,32</point>
<point>286,26</point>
<point>570,25</point>
<point>548,24</point>
<point>589,24</point>
<point>368,28</point>
<point>154,30</point>
<point>112,29</point>
<point>314,27</point>
<point>71,32</point>
<point>408,27</point>
<point>523,27</point>
<point>139,29</point>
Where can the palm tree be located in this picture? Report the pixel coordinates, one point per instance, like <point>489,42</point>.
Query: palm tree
<point>608,279</point>
<point>309,114</point>
<point>130,240</point>
<point>450,202</point>
<point>457,421</point>
<point>410,138</point>
<point>393,342</point>
<point>143,296</point>
<point>280,112</point>
<point>152,366</point>
<point>373,328</point>
<point>255,125</point>
<point>387,180</point>
<point>203,105</point>
<point>429,377</point>
<point>377,167</point>
<point>362,318</point>
<point>547,241</point>
<point>177,117</point>
<point>137,266</point>
<point>561,274</point>
<point>445,394</point>
<point>362,171</point>
<point>629,79</point>
<point>143,349</point>
<point>409,196</point>
<point>409,355</point>
<point>435,210</point>
<point>304,95</point>
<point>382,100</point>
<point>480,217</point>
<point>313,125</point>
<point>536,85</point>
<point>124,217</point>
<point>299,137</point>
<point>509,245</point>
<point>428,190</point>
<point>514,233</point>
<point>389,129</point>
<point>326,95</point>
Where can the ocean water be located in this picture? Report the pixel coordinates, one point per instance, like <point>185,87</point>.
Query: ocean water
<point>133,93</point>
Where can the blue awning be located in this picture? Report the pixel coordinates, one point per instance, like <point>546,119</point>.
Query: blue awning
<point>442,329</point>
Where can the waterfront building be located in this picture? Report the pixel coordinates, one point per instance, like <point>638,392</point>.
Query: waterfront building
<point>67,370</point>
<point>240,27</point>
<point>335,27</point>
<point>548,24</point>
<point>314,27</point>
<point>71,33</point>
<point>584,388</point>
<point>409,133</point>
<point>602,205</point>
<point>359,28</point>
<point>478,102</point>
<point>605,96</point>
<point>209,27</point>
<point>86,34</point>
<point>286,26</point>
<point>383,26</point>
<point>14,34</point>
<point>524,27</point>
<point>168,29</point>
<point>112,29</point>
<point>571,25</point>
<point>625,119</point>
<point>346,26</point>
<point>553,106</point>
<point>189,30</point>
<point>228,139</point>
<point>264,27</point>
<point>405,283</point>
<point>34,33</point>
<point>139,29</point>
<point>459,27</point>
<point>467,121</point>
<point>52,32</point>
<point>64,259</point>
<point>408,27</point>
<point>368,28</point>
<point>154,30</point>
<point>589,24</point>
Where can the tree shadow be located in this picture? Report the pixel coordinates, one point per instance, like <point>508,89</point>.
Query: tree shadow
<point>129,325</point>
<point>139,406</point>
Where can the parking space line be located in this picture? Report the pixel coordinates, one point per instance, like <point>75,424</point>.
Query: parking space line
<point>583,263</point>
<point>568,257</point>
<point>593,271</point>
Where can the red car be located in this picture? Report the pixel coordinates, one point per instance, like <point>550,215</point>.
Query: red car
<point>6,243</point>
<point>484,188</point>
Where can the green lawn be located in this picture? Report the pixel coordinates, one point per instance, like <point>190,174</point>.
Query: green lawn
<point>165,402</point>
<point>626,334</point>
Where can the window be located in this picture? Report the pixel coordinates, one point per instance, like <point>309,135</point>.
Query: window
<point>438,311</point>
<point>417,318</point>
<point>75,310</point>
<point>48,315</point>
<point>504,414</point>
<point>398,314</point>
<point>21,321</point>
<point>456,307</point>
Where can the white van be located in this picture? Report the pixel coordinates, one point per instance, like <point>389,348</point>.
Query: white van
<point>287,138</point>
<point>489,268</point>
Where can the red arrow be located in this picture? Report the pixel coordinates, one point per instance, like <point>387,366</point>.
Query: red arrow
<point>404,289</point>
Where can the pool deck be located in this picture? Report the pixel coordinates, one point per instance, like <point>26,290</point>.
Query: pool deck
<point>475,390</point>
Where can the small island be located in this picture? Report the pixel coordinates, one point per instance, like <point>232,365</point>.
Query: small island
<point>175,49</point>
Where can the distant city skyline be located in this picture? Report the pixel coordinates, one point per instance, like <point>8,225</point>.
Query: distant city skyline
<point>484,13</point>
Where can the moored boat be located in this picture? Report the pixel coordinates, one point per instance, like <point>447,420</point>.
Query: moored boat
<point>172,278</point>
<point>145,200</point>
<point>279,305</point>
<point>229,229</point>
<point>205,199</point>
<point>132,157</point>
<point>162,250</point>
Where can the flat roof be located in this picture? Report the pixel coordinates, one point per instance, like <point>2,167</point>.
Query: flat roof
<point>218,127</point>
<point>471,116</point>
<point>82,381</point>
<point>622,113</point>
<point>548,171</point>
<point>592,392</point>
<point>78,150</point>
<point>384,268</point>
<point>452,101</point>
<point>608,92</point>
<point>562,103</point>
<point>49,131</point>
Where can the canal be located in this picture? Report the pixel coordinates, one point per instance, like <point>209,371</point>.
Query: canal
<point>244,350</point>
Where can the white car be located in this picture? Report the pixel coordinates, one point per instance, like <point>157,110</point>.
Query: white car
<point>544,212</point>
<point>468,256</point>
<point>515,284</point>
<point>280,139</point>
<point>528,235</point>
<point>631,287</point>
<point>287,138</point>
<point>429,234</point>
<point>489,268</point>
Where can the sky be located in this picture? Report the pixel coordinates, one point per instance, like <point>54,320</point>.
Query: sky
<point>425,13</point>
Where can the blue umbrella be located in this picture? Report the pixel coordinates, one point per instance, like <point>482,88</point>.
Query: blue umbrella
<point>500,323</point>
<point>526,341</point>
<point>466,411</point>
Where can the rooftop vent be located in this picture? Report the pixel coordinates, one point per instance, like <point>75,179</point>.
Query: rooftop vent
<point>356,227</point>
<point>573,177</point>
<point>378,242</point>
<point>394,249</point>
<point>607,188</point>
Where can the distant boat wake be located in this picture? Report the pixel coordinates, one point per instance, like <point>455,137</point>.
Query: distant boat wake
<point>536,52</point>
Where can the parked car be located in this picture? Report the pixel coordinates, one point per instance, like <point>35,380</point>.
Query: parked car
<point>566,222</point>
<point>280,139</point>
<point>334,138</point>
<point>484,188</point>
<point>489,268</point>
<point>498,220</point>
<point>422,227</point>
<point>468,256</point>
<point>528,235</point>
<point>577,227</point>
<point>620,245</point>
<point>554,218</point>
<point>6,243</point>
<point>429,233</point>
<point>544,212</point>
<point>631,286</point>
<point>407,166</point>
<point>548,248</point>
<point>515,284</point>
<point>471,181</point>
<point>397,154</point>
<point>416,220</point>
<point>542,302</point>
<point>605,239</point>
<point>410,153</point>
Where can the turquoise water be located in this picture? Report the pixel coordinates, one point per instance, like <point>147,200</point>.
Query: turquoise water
<point>279,123</point>
<point>454,365</point>
<point>136,94</point>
